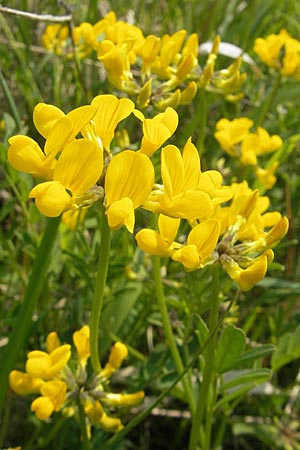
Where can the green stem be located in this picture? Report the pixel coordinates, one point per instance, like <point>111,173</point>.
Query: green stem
<point>269,100</point>
<point>208,381</point>
<point>33,291</point>
<point>84,435</point>
<point>99,291</point>
<point>169,332</point>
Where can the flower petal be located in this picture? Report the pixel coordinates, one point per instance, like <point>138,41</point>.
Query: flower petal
<point>79,166</point>
<point>51,198</point>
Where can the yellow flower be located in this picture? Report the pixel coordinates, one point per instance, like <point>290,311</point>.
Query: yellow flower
<point>97,416</point>
<point>25,155</point>
<point>46,365</point>
<point>201,243</point>
<point>77,170</point>
<point>157,130</point>
<point>187,192</point>
<point>128,182</point>
<point>118,354</point>
<point>54,38</point>
<point>22,383</point>
<point>249,277</point>
<point>52,399</point>
<point>281,52</point>
<point>229,133</point>
<point>159,243</point>
<point>81,339</point>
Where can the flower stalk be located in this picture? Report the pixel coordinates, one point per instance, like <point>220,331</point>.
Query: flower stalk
<point>202,420</point>
<point>161,301</point>
<point>97,302</point>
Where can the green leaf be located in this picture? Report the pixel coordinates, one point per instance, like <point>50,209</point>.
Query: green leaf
<point>288,349</point>
<point>253,376</point>
<point>230,346</point>
<point>257,353</point>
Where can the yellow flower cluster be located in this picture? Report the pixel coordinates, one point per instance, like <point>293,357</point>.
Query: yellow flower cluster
<point>82,170</point>
<point>72,166</point>
<point>162,70</point>
<point>280,51</point>
<point>236,139</point>
<point>49,375</point>
<point>239,236</point>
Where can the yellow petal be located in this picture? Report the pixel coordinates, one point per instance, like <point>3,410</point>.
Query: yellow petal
<point>110,111</point>
<point>52,342</point>
<point>59,358</point>
<point>80,117</point>
<point>81,339</point>
<point>22,383</point>
<point>172,170</point>
<point>121,212</point>
<point>168,227</point>
<point>192,165</point>
<point>42,407</point>
<point>51,198</point>
<point>79,166</point>
<point>129,174</point>
<point>25,155</point>
<point>152,242</point>
<point>56,391</point>
<point>58,136</point>
<point>205,236</point>
<point>38,363</point>
<point>189,205</point>
<point>45,116</point>
<point>188,256</point>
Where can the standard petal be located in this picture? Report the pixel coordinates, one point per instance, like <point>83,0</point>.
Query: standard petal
<point>45,116</point>
<point>172,170</point>
<point>192,165</point>
<point>79,166</point>
<point>129,174</point>
<point>205,236</point>
<point>110,111</point>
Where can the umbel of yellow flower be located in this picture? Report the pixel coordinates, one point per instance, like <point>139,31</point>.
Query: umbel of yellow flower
<point>48,374</point>
<point>187,192</point>
<point>280,51</point>
<point>239,236</point>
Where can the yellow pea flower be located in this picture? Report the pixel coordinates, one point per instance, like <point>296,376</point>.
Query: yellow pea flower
<point>52,399</point>
<point>159,243</point>
<point>118,354</point>
<point>77,170</point>
<point>229,133</point>
<point>201,243</point>
<point>55,38</point>
<point>249,277</point>
<point>181,197</point>
<point>25,155</point>
<point>128,182</point>
<point>44,365</point>
<point>157,130</point>
<point>22,383</point>
<point>97,416</point>
<point>270,51</point>
<point>112,399</point>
